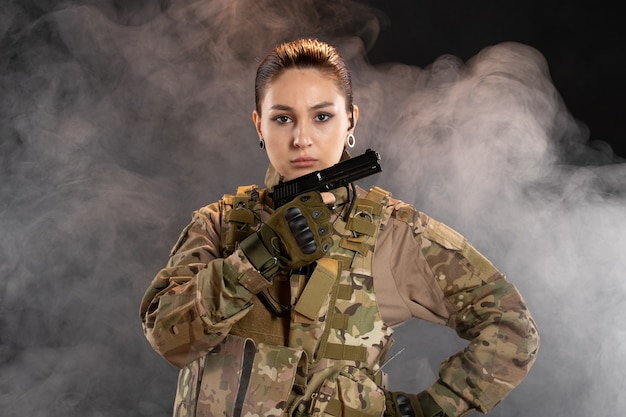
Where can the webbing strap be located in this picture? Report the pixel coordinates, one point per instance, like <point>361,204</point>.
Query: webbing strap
<point>345,352</point>
<point>344,260</point>
<point>362,225</point>
<point>365,220</point>
<point>344,292</point>
<point>340,321</point>
<point>260,257</point>
<point>354,246</point>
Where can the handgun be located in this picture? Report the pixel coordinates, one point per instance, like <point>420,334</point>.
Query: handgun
<point>338,175</point>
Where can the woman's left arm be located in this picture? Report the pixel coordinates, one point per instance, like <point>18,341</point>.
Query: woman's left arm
<point>439,277</point>
<point>489,312</point>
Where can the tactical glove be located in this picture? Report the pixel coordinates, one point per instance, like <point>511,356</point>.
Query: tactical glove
<point>295,235</point>
<point>400,404</point>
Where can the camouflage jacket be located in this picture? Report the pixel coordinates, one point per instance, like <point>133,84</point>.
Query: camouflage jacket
<point>203,314</point>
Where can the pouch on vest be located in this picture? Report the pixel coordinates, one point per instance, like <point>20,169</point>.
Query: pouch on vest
<point>240,216</point>
<point>350,392</point>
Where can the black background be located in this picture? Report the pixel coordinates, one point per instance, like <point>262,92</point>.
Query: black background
<point>583,43</point>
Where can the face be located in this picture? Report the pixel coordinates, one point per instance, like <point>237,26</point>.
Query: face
<point>304,122</point>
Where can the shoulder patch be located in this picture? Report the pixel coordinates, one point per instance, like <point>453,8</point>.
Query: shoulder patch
<point>449,238</point>
<point>444,235</point>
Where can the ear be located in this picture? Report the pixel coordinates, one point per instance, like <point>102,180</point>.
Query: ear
<point>256,119</point>
<point>355,117</point>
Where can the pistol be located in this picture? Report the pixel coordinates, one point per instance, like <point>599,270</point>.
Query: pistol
<point>339,175</point>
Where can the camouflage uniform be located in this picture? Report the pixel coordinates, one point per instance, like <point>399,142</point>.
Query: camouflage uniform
<point>203,313</point>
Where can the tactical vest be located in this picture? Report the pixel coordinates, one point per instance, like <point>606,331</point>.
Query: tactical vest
<point>336,341</point>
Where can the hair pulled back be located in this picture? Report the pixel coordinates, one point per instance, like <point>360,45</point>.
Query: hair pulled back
<point>303,53</point>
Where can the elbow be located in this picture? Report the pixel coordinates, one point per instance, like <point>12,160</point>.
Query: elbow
<point>529,346</point>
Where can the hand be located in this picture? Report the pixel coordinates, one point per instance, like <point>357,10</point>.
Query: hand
<point>295,235</point>
<point>400,404</point>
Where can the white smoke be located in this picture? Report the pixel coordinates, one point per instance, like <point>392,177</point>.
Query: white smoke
<point>120,118</point>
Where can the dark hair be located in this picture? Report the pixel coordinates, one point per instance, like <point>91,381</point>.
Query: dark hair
<point>303,53</point>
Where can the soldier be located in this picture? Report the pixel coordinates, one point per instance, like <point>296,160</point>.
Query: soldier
<point>289,311</point>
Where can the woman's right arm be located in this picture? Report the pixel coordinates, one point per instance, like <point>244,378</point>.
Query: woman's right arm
<point>192,303</point>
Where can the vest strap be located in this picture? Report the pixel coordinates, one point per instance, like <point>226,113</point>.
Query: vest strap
<point>344,260</point>
<point>340,321</point>
<point>344,292</point>
<point>365,221</point>
<point>362,225</point>
<point>345,352</point>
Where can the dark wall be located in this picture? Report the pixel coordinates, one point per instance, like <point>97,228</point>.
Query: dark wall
<point>583,43</point>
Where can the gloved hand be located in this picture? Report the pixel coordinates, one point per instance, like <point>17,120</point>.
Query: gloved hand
<point>401,404</point>
<point>295,235</point>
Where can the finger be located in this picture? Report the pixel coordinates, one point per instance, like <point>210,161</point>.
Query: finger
<point>328,198</point>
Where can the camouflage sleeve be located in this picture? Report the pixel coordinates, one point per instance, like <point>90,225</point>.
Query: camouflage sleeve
<point>488,311</point>
<point>192,303</point>
<point>443,279</point>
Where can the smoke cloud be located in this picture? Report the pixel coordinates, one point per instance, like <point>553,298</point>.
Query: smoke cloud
<point>118,119</point>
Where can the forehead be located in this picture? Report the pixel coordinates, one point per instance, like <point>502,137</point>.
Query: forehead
<point>300,83</point>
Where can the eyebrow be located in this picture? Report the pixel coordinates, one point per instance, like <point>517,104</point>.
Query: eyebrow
<point>318,106</point>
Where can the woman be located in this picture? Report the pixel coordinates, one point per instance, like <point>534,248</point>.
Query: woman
<point>289,310</point>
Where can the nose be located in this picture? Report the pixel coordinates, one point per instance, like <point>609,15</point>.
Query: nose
<point>302,135</point>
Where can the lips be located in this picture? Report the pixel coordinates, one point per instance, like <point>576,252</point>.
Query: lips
<point>303,162</point>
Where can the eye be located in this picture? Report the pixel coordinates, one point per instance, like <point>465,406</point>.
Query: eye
<point>283,119</point>
<point>323,117</point>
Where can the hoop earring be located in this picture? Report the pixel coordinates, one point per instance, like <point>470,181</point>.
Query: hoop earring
<point>351,141</point>
<point>262,143</point>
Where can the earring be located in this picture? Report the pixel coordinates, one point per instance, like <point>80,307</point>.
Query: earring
<point>262,143</point>
<point>351,141</point>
